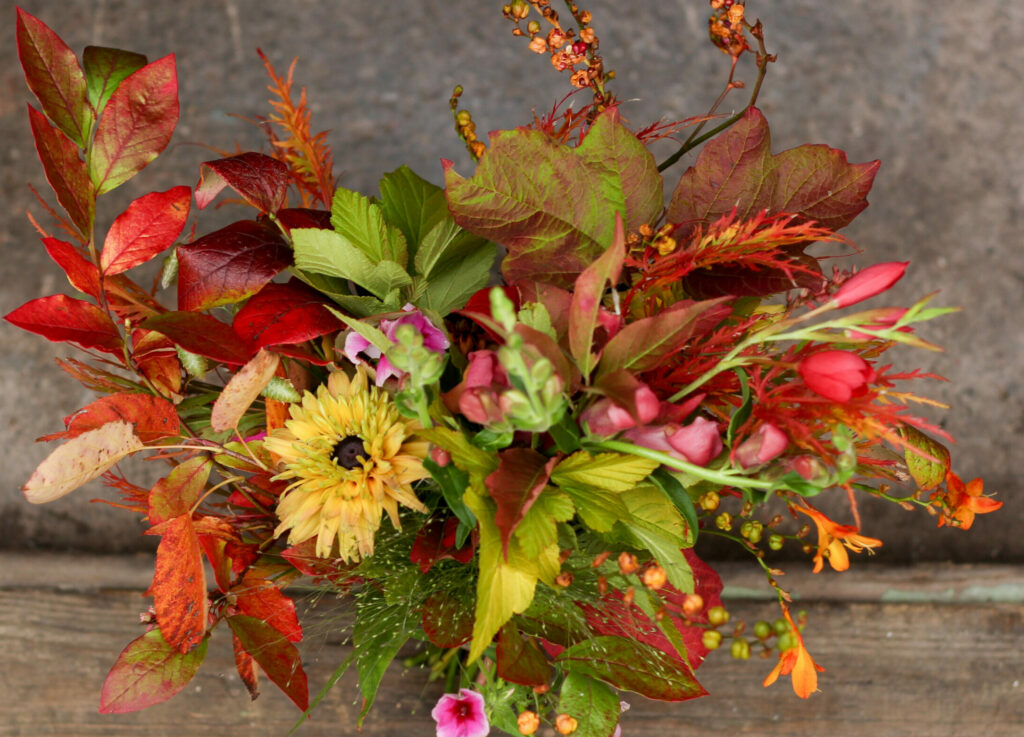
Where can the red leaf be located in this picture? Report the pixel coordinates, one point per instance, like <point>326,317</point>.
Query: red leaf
<point>202,334</point>
<point>447,621</point>
<point>229,265</point>
<point>304,217</point>
<point>278,658</point>
<point>521,475</point>
<point>737,169</point>
<point>245,664</point>
<point>153,417</point>
<point>436,542</point>
<point>61,318</point>
<point>261,180</point>
<point>179,584</point>
<point>519,660</point>
<point>65,171</point>
<point>175,495</point>
<point>260,598</point>
<point>303,557</point>
<point>216,552</point>
<point>82,273</point>
<point>105,69</point>
<point>738,280</point>
<point>136,126</point>
<point>157,360</point>
<point>585,308</point>
<point>285,314</point>
<point>147,227</point>
<point>147,672</point>
<point>54,76</point>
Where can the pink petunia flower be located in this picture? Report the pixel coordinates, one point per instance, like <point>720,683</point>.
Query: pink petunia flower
<point>461,715</point>
<point>433,339</point>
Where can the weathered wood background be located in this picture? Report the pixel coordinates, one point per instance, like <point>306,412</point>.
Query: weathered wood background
<point>925,651</point>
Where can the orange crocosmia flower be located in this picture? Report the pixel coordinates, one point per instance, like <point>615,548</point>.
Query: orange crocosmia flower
<point>796,660</point>
<point>834,538</point>
<point>963,501</point>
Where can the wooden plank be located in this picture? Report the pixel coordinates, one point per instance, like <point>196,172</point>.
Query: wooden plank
<point>933,664</point>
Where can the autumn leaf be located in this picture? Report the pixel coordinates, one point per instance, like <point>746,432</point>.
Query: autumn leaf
<point>105,69</point>
<point>519,479</point>
<point>81,460</point>
<point>147,672</point>
<point>176,494</point>
<point>245,664</point>
<point>585,307</point>
<point>262,181</point>
<point>202,334</point>
<point>149,225</point>
<point>179,583</point>
<point>260,598</point>
<point>65,171</point>
<point>243,388</point>
<point>62,318</point>
<point>152,417</point>
<point>285,314</point>
<point>278,658</point>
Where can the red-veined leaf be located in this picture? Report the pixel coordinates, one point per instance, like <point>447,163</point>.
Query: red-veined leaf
<point>55,78</point>
<point>261,180</point>
<point>230,264</point>
<point>136,126</point>
<point>65,171</point>
<point>447,620</point>
<point>285,314</point>
<point>245,664</point>
<point>179,583</point>
<point>260,598</point>
<point>149,225</point>
<point>278,658</point>
<point>147,672</point>
<point>61,318</point>
<point>243,388</point>
<point>175,495</point>
<point>737,169</point>
<point>80,460</point>
<point>105,69</point>
<point>152,417</point>
<point>436,542</point>
<point>521,476</point>
<point>632,666</point>
<point>202,334</point>
<point>519,660</point>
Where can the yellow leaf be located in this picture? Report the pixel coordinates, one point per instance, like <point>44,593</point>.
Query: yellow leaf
<point>242,390</point>
<point>80,460</point>
<point>608,471</point>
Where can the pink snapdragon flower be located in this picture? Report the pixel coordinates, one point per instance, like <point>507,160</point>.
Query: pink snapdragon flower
<point>764,445</point>
<point>433,339</point>
<point>868,282</point>
<point>697,443</point>
<point>478,395</point>
<point>461,715</point>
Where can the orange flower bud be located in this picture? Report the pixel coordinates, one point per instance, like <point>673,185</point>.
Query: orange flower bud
<point>528,722</point>
<point>538,45</point>
<point>563,579</point>
<point>628,563</point>
<point>654,577</point>
<point>693,604</point>
<point>565,724</point>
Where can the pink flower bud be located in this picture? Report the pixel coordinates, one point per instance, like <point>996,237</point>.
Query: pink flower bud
<point>809,467</point>
<point>605,417</point>
<point>699,441</point>
<point>766,444</point>
<point>836,375</point>
<point>868,282</point>
<point>440,456</point>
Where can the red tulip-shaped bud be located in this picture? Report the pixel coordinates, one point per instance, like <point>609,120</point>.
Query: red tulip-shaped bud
<point>836,375</point>
<point>868,282</point>
<point>699,441</point>
<point>766,444</point>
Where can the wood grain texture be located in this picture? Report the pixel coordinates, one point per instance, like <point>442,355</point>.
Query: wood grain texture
<point>941,658</point>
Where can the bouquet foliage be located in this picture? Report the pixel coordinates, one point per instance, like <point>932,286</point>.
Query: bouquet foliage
<point>512,470</point>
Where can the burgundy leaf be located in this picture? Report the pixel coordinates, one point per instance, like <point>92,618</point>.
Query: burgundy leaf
<point>202,334</point>
<point>277,657</point>
<point>65,171</point>
<point>61,318</point>
<point>229,265</point>
<point>149,225</point>
<point>154,418</point>
<point>447,621</point>
<point>520,660</point>
<point>245,664</point>
<point>55,78</point>
<point>304,217</point>
<point>521,476</point>
<point>147,672</point>
<point>136,126</point>
<point>105,69</point>
<point>285,314</point>
<point>261,180</point>
<point>436,542</point>
<point>735,280</point>
<point>179,584</point>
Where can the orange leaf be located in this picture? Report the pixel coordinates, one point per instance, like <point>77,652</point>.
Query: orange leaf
<point>242,390</point>
<point>260,598</point>
<point>179,584</point>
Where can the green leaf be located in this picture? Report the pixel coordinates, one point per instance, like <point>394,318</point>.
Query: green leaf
<point>674,490</point>
<point>356,219</point>
<point>148,672</point>
<point>451,284</point>
<point>379,633</point>
<point>454,482</point>
<point>413,205</point>
<point>105,69</point>
<point>514,485</point>
<point>926,472</point>
<point>538,529</point>
<point>651,522</point>
<point>608,471</point>
<point>552,206</point>
<point>594,706</point>
<point>599,509</point>
<point>474,461</point>
<point>326,252</point>
<point>632,666</point>
<point>743,411</point>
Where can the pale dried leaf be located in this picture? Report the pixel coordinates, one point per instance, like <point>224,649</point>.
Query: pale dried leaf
<point>242,390</point>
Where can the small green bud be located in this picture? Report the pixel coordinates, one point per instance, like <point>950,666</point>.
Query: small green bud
<point>740,649</point>
<point>718,615</point>
<point>711,639</point>
<point>762,630</point>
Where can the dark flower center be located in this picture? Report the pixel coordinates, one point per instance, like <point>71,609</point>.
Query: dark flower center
<point>348,452</point>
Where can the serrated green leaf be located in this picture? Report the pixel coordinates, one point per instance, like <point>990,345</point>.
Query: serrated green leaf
<point>413,205</point>
<point>599,509</point>
<point>608,471</point>
<point>456,280</point>
<point>538,530</point>
<point>326,252</point>
<point>474,461</point>
<point>652,522</point>
<point>593,705</point>
<point>679,496</point>
<point>359,221</point>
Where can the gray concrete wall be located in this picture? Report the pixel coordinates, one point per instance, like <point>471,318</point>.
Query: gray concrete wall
<point>933,89</point>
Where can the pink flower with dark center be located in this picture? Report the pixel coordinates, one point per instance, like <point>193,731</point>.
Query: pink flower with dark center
<point>461,715</point>
<point>868,282</point>
<point>764,445</point>
<point>836,375</point>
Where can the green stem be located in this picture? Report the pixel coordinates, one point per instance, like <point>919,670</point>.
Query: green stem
<point>707,474</point>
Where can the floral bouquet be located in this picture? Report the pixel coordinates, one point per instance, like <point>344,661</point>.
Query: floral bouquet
<point>495,417</point>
